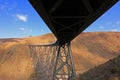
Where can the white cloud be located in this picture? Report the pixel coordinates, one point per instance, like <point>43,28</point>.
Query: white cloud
<point>114,30</point>
<point>22,29</point>
<point>22,17</point>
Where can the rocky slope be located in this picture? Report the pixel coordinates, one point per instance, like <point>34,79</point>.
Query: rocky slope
<point>92,49</point>
<point>107,71</point>
<point>89,50</point>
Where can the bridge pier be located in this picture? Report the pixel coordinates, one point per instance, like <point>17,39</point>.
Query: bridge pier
<point>64,65</point>
<point>52,62</point>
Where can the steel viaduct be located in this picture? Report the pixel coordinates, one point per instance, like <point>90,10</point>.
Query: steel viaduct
<point>66,19</point>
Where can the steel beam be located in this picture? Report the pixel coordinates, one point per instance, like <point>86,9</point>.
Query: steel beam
<point>71,17</point>
<point>55,6</point>
<point>88,6</point>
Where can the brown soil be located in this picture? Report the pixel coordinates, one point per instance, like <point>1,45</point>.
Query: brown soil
<point>89,50</point>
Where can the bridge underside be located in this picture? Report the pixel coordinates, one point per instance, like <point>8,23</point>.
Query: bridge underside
<point>66,19</point>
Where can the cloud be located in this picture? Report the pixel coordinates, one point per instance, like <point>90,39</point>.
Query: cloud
<point>22,29</point>
<point>22,17</point>
<point>114,30</point>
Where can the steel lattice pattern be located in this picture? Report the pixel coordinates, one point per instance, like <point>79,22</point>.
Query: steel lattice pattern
<point>43,58</point>
<point>52,62</point>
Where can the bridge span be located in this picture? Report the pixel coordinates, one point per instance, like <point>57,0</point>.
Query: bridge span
<point>66,19</point>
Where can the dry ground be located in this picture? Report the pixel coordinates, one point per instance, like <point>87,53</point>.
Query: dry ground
<point>89,50</point>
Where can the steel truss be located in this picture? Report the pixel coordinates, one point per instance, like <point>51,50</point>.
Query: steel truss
<point>52,62</point>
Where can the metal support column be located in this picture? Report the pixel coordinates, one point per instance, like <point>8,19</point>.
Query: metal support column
<point>64,66</point>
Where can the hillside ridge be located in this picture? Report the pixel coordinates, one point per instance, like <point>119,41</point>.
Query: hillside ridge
<point>107,71</point>
<point>89,49</point>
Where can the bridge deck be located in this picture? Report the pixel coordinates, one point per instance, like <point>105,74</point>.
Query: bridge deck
<point>68,18</point>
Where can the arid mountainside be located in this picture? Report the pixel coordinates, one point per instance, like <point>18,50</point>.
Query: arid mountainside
<point>107,71</point>
<point>92,49</point>
<point>89,50</point>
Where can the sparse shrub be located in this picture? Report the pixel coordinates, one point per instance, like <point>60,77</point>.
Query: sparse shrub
<point>114,70</point>
<point>33,76</point>
<point>114,78</point>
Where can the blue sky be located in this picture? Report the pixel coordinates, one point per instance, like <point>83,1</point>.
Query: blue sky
<point>19,19</point>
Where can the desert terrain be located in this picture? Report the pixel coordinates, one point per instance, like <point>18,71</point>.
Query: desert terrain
<point>90,50</point>
<point>107,71</point>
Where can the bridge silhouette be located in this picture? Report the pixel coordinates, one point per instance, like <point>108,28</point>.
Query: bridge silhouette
<point>66,19</point>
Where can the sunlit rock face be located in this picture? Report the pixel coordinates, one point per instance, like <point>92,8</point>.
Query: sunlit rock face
<point>89,50</point>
